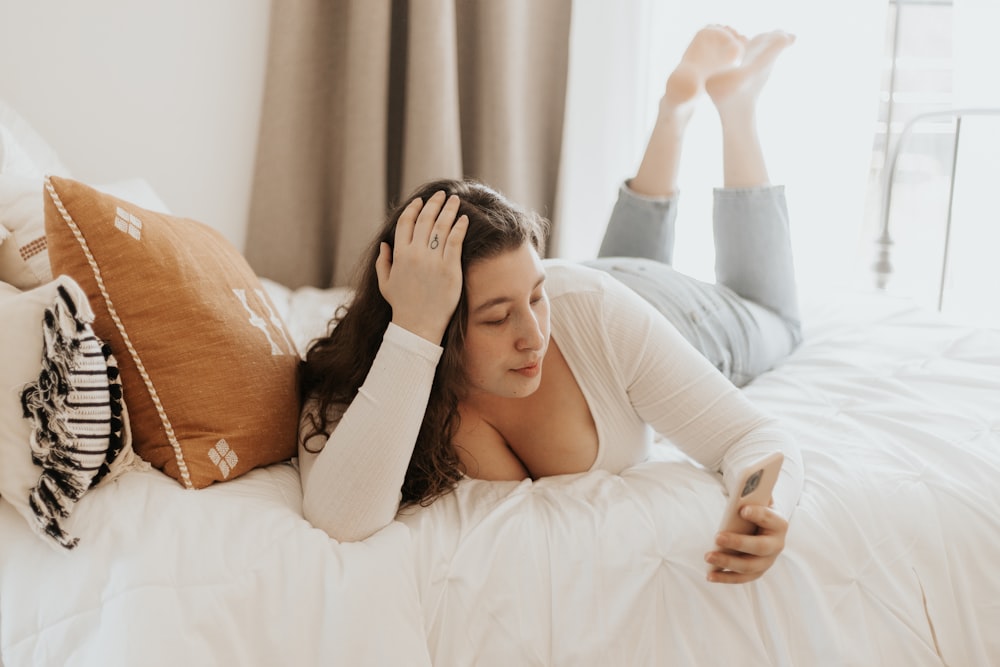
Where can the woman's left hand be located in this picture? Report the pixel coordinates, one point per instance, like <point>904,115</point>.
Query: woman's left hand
<point>743,558</point>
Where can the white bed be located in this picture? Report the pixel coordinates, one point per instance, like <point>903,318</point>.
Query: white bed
<point>890,557</point>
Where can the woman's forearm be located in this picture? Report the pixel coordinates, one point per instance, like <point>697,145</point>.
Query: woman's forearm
<point>351,488</point>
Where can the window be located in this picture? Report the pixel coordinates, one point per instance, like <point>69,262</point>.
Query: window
<point>916,126</point>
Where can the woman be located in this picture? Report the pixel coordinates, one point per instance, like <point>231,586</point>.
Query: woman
<point>464,354</point>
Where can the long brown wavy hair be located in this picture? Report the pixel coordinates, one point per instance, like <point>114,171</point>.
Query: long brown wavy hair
<point>336,365</point>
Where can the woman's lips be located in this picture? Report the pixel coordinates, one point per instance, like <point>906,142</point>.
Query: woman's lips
<point>529,371</point>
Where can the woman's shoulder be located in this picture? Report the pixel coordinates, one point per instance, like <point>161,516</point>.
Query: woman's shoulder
<point>566,277</point>
<point>580,292</point>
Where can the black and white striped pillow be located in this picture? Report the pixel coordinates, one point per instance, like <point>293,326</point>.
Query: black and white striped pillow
<point>76,410</point>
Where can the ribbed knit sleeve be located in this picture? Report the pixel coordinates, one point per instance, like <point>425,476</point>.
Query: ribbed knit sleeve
<point>673,388</point>
<point>351,488</point>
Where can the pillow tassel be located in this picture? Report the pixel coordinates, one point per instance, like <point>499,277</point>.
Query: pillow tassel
<point>71,354</point>
<point>44,504</point>
<point>116,436</point>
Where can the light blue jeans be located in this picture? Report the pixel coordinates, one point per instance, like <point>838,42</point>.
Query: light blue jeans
<point>748,320</point>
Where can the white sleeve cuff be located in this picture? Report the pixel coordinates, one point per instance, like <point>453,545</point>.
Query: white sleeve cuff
<point>411,342</point>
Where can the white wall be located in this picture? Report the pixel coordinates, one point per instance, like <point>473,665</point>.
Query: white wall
<point>167,90</point>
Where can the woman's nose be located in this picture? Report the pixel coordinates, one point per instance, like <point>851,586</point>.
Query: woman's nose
<point>530,335</point>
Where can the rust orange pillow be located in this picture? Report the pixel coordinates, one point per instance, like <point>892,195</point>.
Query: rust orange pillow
<point>208,367</point>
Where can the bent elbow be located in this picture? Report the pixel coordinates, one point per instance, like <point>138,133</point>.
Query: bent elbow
<point>339,524</point>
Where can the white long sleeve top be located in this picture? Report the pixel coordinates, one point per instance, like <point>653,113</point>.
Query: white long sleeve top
<point>637,373</point>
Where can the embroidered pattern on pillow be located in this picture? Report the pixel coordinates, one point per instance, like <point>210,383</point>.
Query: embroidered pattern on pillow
<point>209,368</point>
<point>75,408</point>
<point>24,257</point>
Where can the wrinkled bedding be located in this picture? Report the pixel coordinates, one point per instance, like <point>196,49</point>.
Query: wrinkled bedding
<point>890,556</point>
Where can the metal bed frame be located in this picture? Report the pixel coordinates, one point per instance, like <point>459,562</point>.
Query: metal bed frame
<point>882,267</point>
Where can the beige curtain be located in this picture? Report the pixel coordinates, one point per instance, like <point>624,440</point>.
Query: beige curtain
<point>365,99</point>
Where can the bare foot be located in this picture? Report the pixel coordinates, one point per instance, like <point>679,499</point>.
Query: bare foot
<point>744,82</point>
<point>713,49</point>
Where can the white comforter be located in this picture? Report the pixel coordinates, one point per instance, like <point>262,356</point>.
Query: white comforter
<point>891,556</point>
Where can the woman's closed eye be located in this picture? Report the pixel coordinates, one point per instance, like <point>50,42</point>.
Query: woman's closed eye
<point>496,323</point>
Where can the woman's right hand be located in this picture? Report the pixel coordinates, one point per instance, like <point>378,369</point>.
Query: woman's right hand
<point>421,275</point>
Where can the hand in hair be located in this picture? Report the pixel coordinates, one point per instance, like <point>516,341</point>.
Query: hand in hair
<point>421,276</point>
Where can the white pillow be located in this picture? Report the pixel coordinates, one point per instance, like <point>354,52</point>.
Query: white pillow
<point>77,431</point>
<point>25,159</point>
<point>24,257</point>
<point>23,151</point>
<point>307,310</point>
<point>24,263</point>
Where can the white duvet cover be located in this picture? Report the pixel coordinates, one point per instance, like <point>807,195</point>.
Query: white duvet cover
<point>891,556</point>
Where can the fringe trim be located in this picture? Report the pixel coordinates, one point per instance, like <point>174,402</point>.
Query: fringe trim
<point>116,437</point>
<point>72,356</point>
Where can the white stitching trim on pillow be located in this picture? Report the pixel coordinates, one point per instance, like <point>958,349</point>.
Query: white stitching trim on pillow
<point>160,411</point>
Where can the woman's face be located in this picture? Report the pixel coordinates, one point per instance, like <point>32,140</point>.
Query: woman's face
<point>508,327</point>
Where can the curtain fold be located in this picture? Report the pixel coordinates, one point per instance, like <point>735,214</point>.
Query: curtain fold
<point>432,143</point>
<point>365,99</point>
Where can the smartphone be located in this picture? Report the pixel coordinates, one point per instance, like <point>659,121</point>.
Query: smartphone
<point>755,486</point>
